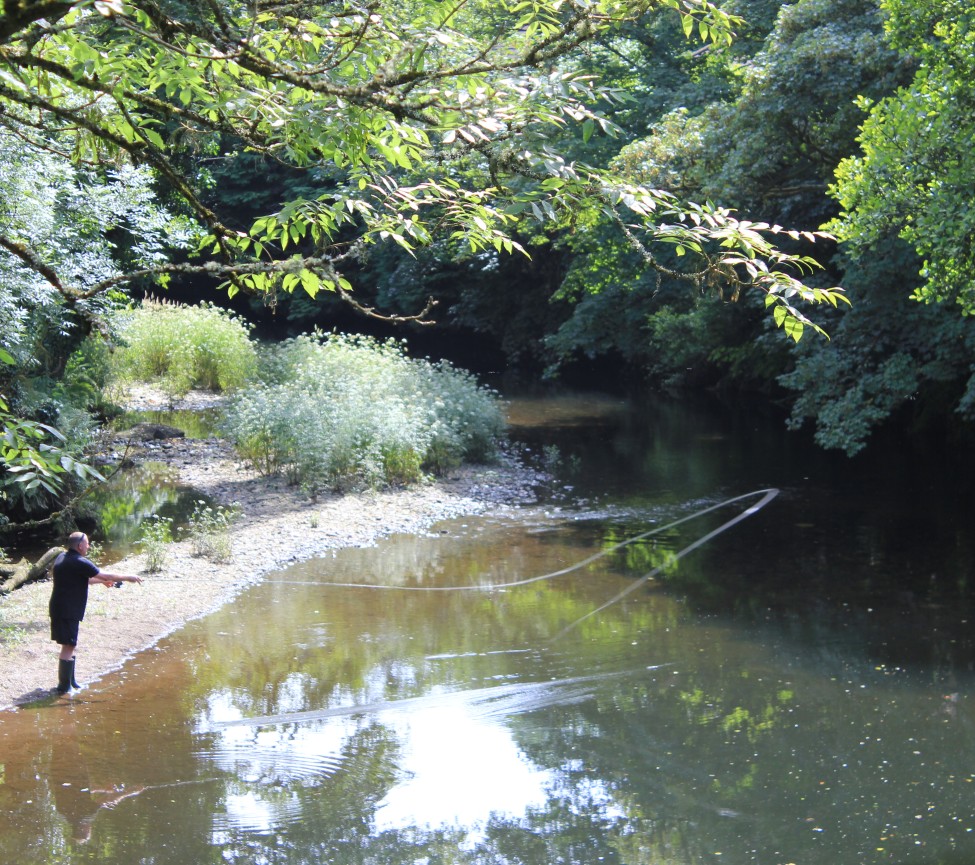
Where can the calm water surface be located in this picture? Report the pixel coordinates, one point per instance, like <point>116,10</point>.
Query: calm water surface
<point>797,690</point>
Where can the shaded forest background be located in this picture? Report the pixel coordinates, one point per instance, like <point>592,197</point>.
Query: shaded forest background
<point>760,126</point>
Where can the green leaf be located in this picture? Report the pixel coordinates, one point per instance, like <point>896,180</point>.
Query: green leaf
<point>793,327</point>
<point>153,137</point>
<point>310,282</point>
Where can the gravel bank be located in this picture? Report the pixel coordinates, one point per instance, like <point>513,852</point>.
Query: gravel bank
<point>277,527</point>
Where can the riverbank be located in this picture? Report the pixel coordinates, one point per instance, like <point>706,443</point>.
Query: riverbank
<point>278,526</point>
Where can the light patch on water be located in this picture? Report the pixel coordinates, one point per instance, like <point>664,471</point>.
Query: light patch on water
<point>457,760</point>
<point>458,769</point>
<point>248,812</point>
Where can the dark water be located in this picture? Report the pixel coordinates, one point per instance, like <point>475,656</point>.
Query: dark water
<point>799,689</point>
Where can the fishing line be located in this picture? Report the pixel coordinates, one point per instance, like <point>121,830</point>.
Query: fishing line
<point>504,699</point>
<point>511,692</point>
<point>767,496</point>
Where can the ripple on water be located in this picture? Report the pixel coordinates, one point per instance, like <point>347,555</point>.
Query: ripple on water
<point>275,763</point>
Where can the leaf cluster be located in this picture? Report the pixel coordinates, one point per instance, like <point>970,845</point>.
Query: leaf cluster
<point>914,175</point>
<point>37,462</point>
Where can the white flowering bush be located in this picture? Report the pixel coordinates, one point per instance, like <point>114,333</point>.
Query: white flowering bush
<point>344,412</point>
<point>182,347</point>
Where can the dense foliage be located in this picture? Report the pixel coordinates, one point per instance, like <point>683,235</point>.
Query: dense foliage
<point>765,126</point>
<point>85,226</point>
<point>181,348</point>
<point>346,412</point>
<point>759,125</point>
<point>915,175</point>
<point>767,143</point>
<point>425,120</point>
<point>901,352</point>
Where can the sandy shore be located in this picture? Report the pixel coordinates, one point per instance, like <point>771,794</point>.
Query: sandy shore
<point>278,526</point>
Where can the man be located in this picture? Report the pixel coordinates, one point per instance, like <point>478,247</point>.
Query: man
<point>73,574</point>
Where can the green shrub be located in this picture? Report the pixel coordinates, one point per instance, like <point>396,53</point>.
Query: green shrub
<point>209,531</point>
<point>39,464</point>
<point>183,347</point>
<point>156,536</point>
<point>352,412</point>
<point>85,375</point>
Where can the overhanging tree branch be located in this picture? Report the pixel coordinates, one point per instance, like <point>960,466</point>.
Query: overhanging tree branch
<point>29,257</point>
<point>392,103</point>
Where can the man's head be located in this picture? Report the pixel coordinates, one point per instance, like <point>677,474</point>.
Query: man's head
<point>78,541</point>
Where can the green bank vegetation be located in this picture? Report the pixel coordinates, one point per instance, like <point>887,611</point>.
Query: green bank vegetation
<point>183,347</point>
<point>350,412</point>
<point>327,411</point>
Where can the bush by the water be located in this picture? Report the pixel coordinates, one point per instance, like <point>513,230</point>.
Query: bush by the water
<point>183,347</point>
<point>209,530</point>
<point>346,412</point>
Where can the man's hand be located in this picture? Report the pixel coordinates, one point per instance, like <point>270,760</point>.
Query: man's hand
<point>116,580</point>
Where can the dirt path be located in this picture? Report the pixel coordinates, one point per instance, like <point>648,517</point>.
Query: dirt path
<point>278,526</point>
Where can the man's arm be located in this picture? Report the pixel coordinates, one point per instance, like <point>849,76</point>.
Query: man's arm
<point>108,579</point>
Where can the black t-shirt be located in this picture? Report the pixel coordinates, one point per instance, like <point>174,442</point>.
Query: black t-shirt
<point>69,597</point>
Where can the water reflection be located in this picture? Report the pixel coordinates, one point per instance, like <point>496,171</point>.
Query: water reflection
<point>458,770</point>
<point>198,423</point>
<point>132,496</point>
<point>767,699</point>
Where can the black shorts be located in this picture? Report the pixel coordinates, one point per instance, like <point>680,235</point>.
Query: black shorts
<point>65,631</point>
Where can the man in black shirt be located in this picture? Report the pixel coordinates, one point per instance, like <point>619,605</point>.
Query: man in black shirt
<point>73,573</point>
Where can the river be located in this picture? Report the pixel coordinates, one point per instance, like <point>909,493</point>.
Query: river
<point>528,688</point>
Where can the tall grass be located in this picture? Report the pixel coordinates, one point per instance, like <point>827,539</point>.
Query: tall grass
<point>183,347</point>
<point>343,412</point>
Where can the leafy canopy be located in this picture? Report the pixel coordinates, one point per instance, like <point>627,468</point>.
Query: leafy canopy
<point>63,223</point>
<point>914,176</point>
<point>429,120</point>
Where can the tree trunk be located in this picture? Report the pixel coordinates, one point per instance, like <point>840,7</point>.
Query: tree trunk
<point>23,572</point>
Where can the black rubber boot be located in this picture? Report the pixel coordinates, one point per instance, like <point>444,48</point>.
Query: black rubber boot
<point>65,676</point>
<point>74,681</point>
